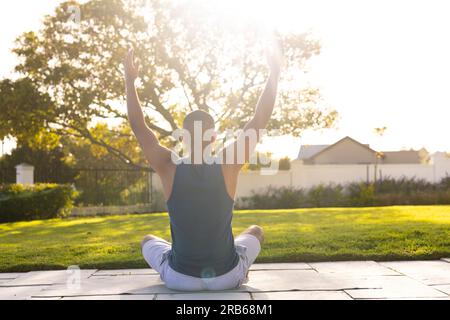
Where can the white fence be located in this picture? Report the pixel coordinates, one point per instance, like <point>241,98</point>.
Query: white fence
<point>306,176</point>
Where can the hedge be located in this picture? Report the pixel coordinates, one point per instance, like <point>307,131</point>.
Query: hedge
<point>36,202</point>
<point>383,193</point>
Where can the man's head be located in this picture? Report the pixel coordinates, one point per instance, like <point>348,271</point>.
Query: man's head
<point>202,124</point>
<point>198,116</point>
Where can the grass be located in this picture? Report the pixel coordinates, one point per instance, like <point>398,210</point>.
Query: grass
<point>387,233</point>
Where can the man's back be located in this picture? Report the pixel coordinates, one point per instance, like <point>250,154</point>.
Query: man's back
<point>201,211</point>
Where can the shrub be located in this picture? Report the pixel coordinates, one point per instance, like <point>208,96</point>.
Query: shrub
<point>326,196</point>
<point>416,198</point>
<point>37,202</point>
<point>444,184</point>
<point>403,185</point>
<point>361,194</point>
<point>383,193</point>
<point>274,198</point>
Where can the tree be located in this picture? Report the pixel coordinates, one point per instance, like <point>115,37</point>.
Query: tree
<point>100,176</point>
<point>378,155</point>
<point>49,163</point>
<point>191,57</point>
<point>283,164</point>
<point>380,131</point>
<point>82,154</point>
<point>24,111</point>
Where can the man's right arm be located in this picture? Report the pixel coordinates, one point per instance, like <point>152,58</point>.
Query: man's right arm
<point>242,149</point>
<point>244,146</point>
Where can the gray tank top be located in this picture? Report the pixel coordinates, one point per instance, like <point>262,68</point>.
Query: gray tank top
<point>201,211</point>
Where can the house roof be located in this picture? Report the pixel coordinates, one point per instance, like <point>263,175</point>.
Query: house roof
<point>308,151</point>
<point>311,151</point>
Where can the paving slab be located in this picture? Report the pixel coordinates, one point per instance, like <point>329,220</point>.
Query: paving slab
<point>19,293</point>
<point>118,285</point>
<point>280,266</point>
<point>274,280</point>
<point>285,280</point>
<point>396,287</point>
<point>10,276</point>
<point>299,281</point>
<point>428,272</point>
<point>206,296</point>
<point>302,295</point>
<point>3,282</point>
<point>127,272</point>
<point>40,278</point>
<point>113,297</point>
<point>443,288</point>
<point>354,268</point>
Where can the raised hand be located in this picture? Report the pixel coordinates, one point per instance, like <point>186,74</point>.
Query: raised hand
<point>131,66</point>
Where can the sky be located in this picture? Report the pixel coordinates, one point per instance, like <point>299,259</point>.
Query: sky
<point>383,63</point>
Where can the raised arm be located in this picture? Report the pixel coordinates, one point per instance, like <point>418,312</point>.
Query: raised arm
<point>244,146</point>
<point>266,103</point>
<point>158,156</point>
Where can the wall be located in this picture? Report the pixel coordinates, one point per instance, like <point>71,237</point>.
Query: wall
<point>253,181</point>
<point>306,176</point>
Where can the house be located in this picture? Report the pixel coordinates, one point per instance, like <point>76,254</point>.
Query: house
<point>350,151</point>
<point>410,157</point>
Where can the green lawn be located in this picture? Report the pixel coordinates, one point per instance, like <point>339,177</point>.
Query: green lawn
<point>387,233</point>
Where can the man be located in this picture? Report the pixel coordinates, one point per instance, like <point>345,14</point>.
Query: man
<point>200,197</point>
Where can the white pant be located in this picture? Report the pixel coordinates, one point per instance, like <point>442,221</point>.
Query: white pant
<point>156,252</point>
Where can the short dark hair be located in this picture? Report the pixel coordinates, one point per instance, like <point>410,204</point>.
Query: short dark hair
<point>199,116</point>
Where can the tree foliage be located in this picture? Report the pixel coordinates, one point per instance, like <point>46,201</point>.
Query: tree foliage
<point>24,110</point>
<point>192,58</point>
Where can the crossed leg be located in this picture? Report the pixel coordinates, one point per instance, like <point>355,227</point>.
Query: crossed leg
<point>148,238</point>
<point>251,239</point>
<point>255,231</point>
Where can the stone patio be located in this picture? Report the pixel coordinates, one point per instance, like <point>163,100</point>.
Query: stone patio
<point>299,281</point>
